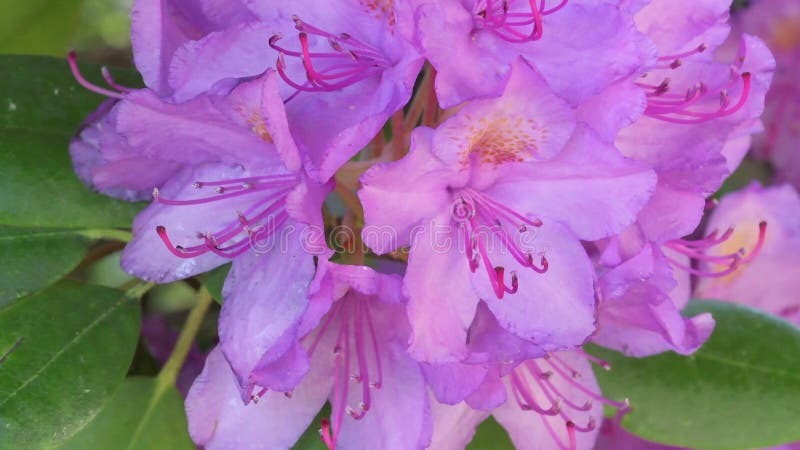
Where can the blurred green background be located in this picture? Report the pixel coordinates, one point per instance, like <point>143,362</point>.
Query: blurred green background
<point>98,29</point>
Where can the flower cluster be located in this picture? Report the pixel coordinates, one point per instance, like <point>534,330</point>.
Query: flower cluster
<point>535,166</point>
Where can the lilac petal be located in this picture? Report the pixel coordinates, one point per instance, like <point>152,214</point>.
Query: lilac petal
<point>638,317</point>
<point>149,258</point>
<point>446,29</point>
<point>671,214</point>
<point>215,62</point>
<point>276,122</point>
<point>591,177</point>
<point>398,196</point>
<point>489,342</point>
<point>160,27</point>
<point>400,416</point>
<point>454,382</point>
<point>490,395</point>
<point>616,107</point>
<point>613,51</point>
<point>666,23</point>
<point>441,299</point>
<point>527,429</point>
<point>541,123</point>
<point>266,295</point>
<point>554,309</point>
<point>219,420</point>
<point>454,426</point>
<point>167,132</point>
<point>104,161</point>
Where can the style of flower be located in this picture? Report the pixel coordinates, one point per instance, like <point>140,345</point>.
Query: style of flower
<point>469,195</point>
<point>354,340</point>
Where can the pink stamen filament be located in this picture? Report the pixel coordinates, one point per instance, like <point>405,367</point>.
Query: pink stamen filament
<point>348,62</point>
<point>72,59</point>
<point>354,322</point>
<point>494,15</point>
<point>477,213</point>
<point>693,250</point>
<point>677,111</point>
<point>267,210</point>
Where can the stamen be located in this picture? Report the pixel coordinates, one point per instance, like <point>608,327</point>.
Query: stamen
<point>348,62</point>
<point>513,26</point>
<point>266,211</point>
<point>110,80</point>
<point>694,250</point>
<point>72,59</point>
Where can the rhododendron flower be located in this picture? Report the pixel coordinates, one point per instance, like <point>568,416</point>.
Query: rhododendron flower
<point>778,23</point>
<point>328,54</point>
<point>495,174</point>
<point>227,194</point>
<point>547,403</point>
<point>356,334</point>
<point>695,106</point>
<point>769,281</point>
<point>579,46</point>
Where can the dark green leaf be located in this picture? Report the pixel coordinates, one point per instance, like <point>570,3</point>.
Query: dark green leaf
<point>137,418</point>
<point>34,258</point>
<point>38,93</point>
<point>41,107</point>
<point>740,390</point>
<point>214,280</point>
<point>63,352</point>
<point>39,188</point>
<point>490,435</point>
<point>38,26</point>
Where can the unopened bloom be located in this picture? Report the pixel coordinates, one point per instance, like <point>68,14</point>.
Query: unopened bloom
<point>769,281</point>
<point>578,46</point>
<point>355,336</point>
<point>327,53</point>
<point>222,191</point>
<point>470,196</point>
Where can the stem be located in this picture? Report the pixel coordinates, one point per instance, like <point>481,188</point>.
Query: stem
<point>398,136</point>
<point>169,373</point>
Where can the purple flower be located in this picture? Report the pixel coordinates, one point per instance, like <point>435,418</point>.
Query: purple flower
<point>327,55</point>
<point>695,126</point>
<point>493,204</point>
<point>552,402</point>
<point>355,336</point>
<point>578,46</point>
<point>778,23</point>
<point>768,280</point>
<point>699,113</point>
<point>226,192</point>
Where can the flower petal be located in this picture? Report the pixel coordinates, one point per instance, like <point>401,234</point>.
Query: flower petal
<point>218,420</point>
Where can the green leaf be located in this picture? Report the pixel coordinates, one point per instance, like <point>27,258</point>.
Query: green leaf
<point>41,107</point>
<point>38,26</point>
<point>63,352</point>
<point>214,280</point>
<point>490,435</point>
<point>137,418</point>
<point>740,390</point>
<point>34,258</point>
